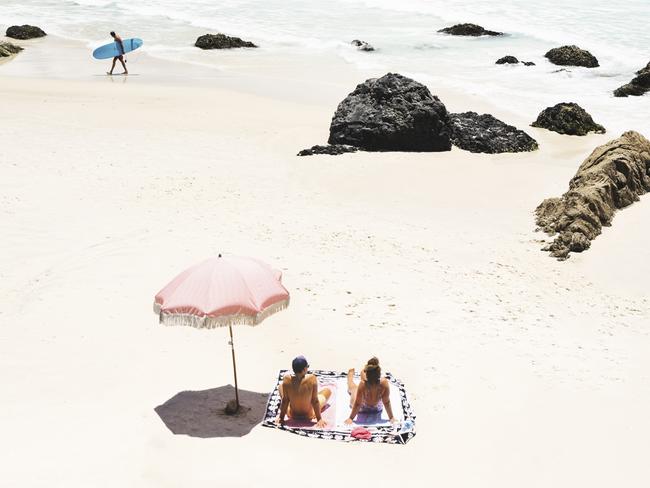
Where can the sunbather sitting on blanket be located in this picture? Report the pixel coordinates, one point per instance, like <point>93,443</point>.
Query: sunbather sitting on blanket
<point>301,399</point>
<point>372,393</point>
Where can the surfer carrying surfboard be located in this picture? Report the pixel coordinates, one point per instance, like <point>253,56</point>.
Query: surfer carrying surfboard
<point>120,44</point>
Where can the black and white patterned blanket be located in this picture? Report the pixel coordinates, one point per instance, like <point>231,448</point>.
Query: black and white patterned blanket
<point>382,432</point>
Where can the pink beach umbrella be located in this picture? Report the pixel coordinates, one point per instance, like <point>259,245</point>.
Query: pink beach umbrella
<point>220,292</point>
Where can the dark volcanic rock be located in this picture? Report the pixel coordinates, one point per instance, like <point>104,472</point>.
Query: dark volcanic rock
<point>567,118</point>
<point>391,113</point>
<point>513,60</point>
<point>508,60</point>
<point>7,49</point>
<point>612,177</point>
<point>572,56</point>
<point>469,30</point>
<point>642,80</point>
<point>630,89</point>
<point>486,134</point>
<point>638,86</point>
<point>221,41</point>
<point>362,45</point>
<point>24,32</point>
<point>333,150</point>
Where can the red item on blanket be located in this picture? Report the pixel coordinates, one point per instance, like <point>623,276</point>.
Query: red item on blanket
<point>361,433</point>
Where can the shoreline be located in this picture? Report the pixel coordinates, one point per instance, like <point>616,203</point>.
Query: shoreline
<point>55,58</point>
<point>326,85</point>
<point>310,79</point>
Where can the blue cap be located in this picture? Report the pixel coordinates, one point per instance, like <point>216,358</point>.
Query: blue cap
<point>299,363</point>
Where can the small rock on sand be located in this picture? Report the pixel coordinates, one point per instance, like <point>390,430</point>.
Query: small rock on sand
<point>331,149</point>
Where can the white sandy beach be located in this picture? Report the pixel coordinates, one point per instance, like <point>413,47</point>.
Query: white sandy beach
<point>522,370</point>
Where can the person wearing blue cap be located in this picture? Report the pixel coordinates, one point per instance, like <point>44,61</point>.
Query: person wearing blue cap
<point>301,399</point>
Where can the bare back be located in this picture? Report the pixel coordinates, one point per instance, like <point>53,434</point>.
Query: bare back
<point>374,394</point>
<point>300,392</point>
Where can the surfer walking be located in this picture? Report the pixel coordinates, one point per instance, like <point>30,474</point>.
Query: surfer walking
<point>120,45</point>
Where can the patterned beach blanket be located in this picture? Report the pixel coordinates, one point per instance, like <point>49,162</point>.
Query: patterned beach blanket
<point>338,409</point>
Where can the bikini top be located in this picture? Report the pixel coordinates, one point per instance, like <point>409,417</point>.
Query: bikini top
<point>364,401</point>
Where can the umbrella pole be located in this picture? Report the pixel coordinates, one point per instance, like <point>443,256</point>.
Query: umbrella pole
<point>234,366</point>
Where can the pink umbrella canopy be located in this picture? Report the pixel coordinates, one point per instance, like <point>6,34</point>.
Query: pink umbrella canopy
<point>222,291</point>
<point>219,292</point>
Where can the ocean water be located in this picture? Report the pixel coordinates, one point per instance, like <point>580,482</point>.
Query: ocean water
<point>404,34</point>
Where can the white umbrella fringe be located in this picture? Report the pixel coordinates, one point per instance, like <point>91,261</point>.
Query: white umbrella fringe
<point>205,322</point>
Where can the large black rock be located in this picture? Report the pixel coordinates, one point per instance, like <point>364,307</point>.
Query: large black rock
<point>8,49</point>
<point>487,134</point>
<point>639,85</point>
<point>572,56</point>
<point>221,41</point>
<point>25,32</point>
<point>567,118</point>
<point>469,30</point>
<point>391,113</point>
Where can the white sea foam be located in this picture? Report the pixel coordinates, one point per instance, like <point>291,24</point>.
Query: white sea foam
<point>404,34</point>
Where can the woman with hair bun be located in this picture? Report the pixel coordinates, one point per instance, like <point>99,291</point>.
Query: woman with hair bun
<point>372,394</point>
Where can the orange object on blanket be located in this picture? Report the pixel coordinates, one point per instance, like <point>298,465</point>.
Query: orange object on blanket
<point>361,433</point>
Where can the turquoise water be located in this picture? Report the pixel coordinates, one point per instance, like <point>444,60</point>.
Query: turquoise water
<point>405,36</point>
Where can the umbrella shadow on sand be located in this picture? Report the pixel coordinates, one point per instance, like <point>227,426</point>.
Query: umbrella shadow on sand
<point>202,413</point>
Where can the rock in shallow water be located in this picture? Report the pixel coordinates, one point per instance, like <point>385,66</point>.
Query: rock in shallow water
<point>612,177</point>
<point>469,30</point>
<point>513,60</point>
<point>332,150</point>
<point>221,41</point>
<point>362,45</point>
<point>487,134</point>
<point>507,60</point>
<point>391,113</point>
<point>8,49</point>
<point>638,86</point>
<point>567,118</point>
<point>572,56</point>
<point>25,32</point>
<point>644,70</point>
<point>630,90</point>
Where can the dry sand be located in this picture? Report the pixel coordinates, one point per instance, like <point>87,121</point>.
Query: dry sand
<point>523,371</point>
